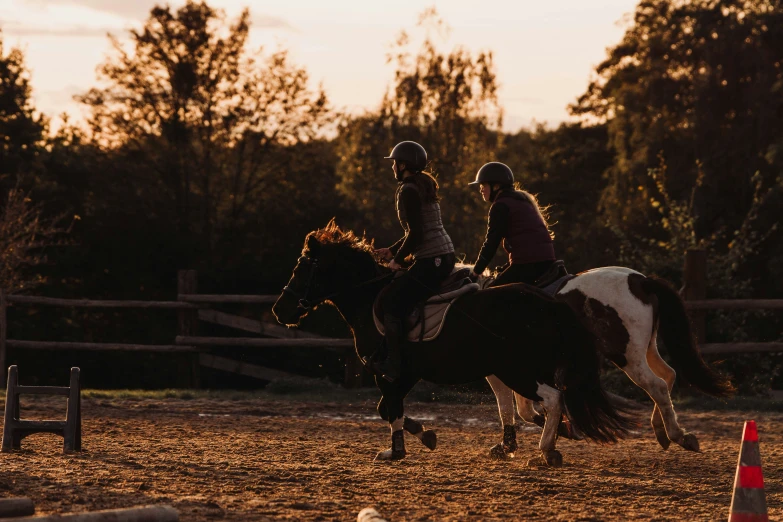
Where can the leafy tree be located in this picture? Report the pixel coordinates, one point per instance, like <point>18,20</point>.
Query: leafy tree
<point>448,103</point>
<point>25,236</point>
<point>200,120</point>
<point>21,128</point>
<point>564,167</point>
<point>697,83</point>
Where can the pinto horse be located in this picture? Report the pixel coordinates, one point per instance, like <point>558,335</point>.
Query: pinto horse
<point>544,355</point>
<point>627,312</point>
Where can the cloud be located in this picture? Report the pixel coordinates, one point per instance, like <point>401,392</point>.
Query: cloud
<point>61,97</point>
<point>134,9</point>
<point>81,32</point>
<point>140,10</point>
<point>270,22</point>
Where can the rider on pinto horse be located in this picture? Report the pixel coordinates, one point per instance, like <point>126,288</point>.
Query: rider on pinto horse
<point>516,220</point>
<point>425,240</point>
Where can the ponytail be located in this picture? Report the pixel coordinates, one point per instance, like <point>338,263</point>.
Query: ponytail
<point>428,187</point>
<point>523,195</point>
<point>543,212</point>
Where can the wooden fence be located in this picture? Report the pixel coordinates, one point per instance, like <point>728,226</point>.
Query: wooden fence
<point>193,307</point>
<point>694,292</point>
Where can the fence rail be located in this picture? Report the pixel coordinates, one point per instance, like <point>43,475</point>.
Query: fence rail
<point>735,304</point>
<point>214,298</point>
<point>191,302</point>
<point>255,342</point>
<point>193,307</point>
<point>97,303</point>
<point>712,348</point>
<point>63,345</point>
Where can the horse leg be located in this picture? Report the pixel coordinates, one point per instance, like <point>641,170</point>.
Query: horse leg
<point>526,409</point>
<point>427,437</point>
<point>667,373</point>
<point>394,412</point>
<point>505,398</point>
<point>553,404</point>
<point>641,372</point>
<point>391,410</point>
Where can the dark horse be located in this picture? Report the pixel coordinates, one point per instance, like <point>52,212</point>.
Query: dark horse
<point>543,354</point>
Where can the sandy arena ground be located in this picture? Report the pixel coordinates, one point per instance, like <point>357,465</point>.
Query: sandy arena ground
<point>284,459</point>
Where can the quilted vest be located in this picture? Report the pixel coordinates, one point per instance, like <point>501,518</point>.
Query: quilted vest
<point>435,240</point>
<point>528,239</point>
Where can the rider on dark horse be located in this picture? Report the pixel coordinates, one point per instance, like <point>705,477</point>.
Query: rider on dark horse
<point>516,219</point>
<point>425,240</point>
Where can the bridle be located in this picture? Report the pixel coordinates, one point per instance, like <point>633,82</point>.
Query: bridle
<point>304,304</point>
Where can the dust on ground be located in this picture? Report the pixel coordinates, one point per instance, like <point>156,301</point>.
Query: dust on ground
<point>276,458</point>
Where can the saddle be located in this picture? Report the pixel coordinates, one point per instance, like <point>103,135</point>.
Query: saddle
<point>426,320</point>
<point>550,282</point>
<point>553,279</point>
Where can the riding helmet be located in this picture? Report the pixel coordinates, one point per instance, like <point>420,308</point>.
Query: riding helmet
<point>494,172</point>
<point>411,153</point>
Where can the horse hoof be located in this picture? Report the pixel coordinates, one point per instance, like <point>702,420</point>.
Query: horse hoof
<point>497,452</point>
<point>663,439</point>
<point>429,439</point>
<point>553,458</point>
<point>690,442</point>
<point>390,454</point>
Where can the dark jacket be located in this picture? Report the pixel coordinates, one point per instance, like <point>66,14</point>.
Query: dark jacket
<point>515,221</point>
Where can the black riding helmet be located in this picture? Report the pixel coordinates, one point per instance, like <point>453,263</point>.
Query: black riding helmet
<point>493,173</point>
<point>411,153</point>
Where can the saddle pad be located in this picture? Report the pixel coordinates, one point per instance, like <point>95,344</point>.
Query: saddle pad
<point>552,288</point>
<point>434,315</point>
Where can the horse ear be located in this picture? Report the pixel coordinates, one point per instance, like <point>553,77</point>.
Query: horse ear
<point>312,244</point>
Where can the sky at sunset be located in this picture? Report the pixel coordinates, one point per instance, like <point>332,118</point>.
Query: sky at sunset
<point>544,51</point>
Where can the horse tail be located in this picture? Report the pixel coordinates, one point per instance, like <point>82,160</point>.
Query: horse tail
<point>587,406</point>
<point>675,331</point>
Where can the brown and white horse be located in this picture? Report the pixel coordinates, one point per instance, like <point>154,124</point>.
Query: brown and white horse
<point>547,355</point>
<point>628,312</point>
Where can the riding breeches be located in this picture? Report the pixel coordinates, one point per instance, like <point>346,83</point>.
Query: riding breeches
<point>420,282</point>
<point>522,273</point>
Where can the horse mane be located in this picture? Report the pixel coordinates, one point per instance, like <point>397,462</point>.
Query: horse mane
<point>332,234</point>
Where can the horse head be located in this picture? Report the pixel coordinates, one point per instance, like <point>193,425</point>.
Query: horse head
<point>332,261</point>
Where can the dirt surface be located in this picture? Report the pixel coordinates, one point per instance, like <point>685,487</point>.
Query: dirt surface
<point>281,459</point>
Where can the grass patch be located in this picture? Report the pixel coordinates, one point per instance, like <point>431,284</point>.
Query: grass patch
<point>732,404</point>
<point>181,394</point>
<point>312,390</point>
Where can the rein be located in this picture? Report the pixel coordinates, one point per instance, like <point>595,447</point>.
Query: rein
<point>306,304</point>
<point>478,323</point>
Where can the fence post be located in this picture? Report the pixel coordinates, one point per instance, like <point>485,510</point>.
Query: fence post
<point>3,336</point>
<point>187,283</point>
<point>695,288</point>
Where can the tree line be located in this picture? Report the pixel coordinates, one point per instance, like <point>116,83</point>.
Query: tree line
<point>199,152</point>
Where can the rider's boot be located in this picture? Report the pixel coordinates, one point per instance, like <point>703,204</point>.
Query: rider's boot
<point>389,368</point>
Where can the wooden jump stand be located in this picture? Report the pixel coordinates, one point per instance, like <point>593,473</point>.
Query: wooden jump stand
<point>16,429</point>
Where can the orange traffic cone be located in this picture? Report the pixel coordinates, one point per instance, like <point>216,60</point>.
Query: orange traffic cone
<point>748,503</point>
